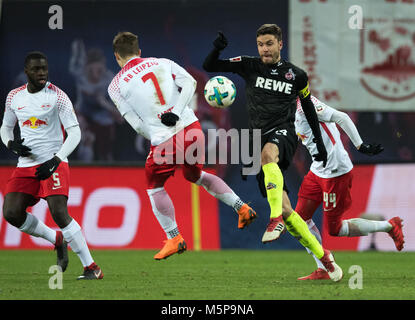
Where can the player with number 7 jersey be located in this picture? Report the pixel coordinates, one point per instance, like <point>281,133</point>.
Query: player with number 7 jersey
<point>153,95</point>
<point>331,185</point>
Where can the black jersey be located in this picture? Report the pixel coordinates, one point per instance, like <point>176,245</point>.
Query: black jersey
<point>271,90</point>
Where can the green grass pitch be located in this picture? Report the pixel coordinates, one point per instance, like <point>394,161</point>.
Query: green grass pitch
<point>207,275</point>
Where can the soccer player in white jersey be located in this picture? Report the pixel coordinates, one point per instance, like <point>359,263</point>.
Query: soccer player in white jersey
<point>332,184</point>
<point>42,111</point>
<point>146,92</point>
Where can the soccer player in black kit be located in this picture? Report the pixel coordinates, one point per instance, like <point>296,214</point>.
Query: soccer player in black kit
<point>272,88</point>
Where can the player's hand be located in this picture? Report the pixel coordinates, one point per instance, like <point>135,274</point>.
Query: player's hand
<point>46,169</point>
<point>18,148</point>
<point>322,152</point>
<point>220,42</point>
<point>169,119</point>
<point>370,149</point>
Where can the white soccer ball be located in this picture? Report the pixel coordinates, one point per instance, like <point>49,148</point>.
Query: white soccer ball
<point>220,92</point>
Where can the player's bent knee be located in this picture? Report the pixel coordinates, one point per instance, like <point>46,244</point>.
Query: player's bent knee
<point>334,229</point>
<point>13,215</point>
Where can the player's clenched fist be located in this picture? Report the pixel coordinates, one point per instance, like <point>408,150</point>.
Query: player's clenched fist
<point>322,152</point>
<point>220,42</point>
<point>46,169</point>
<point>370,149</point>
<point>169,119</point>
<point>18,148</point>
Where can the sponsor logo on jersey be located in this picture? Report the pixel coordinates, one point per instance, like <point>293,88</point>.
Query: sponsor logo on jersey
<point>272,84</point>
<point>47,105</point>
<point>34,123</point>
<point>20,108</point>
<point>290,75</point>
<point>274,72</point>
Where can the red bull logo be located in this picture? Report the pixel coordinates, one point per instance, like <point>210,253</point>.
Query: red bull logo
<point>34,123</point>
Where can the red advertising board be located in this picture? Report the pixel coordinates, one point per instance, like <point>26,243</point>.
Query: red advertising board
<point>113,209</point>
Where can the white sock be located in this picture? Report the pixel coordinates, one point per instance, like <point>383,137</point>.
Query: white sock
<point>72,233</point>
<point>314,230</point>
<point>220,190</point>
<point>163,209</point>
<point>362,227</point>
<point>37,228</point>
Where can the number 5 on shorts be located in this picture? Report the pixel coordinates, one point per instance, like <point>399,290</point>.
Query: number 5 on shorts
<point>56,181</point>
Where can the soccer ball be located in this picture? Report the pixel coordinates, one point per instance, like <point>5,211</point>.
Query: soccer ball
<point>220,92</point>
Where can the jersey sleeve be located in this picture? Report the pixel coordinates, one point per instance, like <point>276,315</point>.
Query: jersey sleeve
<point>9,118</point>
<point>66,111</point>
<point>324,112</point>
<point>237,65</point>
<point>180,75</point>
<point>115,94</point>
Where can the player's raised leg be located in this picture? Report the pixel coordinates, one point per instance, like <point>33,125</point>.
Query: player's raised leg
<point>221,191</point>
<point>358,227</point>
<point>192,170</point>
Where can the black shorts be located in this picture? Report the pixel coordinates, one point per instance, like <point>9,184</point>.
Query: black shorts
<point>286,139</point>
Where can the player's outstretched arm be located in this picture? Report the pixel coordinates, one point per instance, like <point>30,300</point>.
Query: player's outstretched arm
<point>212,62</point>
<point>347,125</point>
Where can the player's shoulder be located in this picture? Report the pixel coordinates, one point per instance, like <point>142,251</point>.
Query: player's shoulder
<point>50,87</point>
<point>14,92</point>
<point>62,98</point>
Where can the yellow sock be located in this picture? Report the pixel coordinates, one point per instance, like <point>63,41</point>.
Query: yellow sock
<point>274,182</point>
<point>299,229</point>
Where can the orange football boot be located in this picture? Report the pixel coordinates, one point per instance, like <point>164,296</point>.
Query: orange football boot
<point>171,246</point>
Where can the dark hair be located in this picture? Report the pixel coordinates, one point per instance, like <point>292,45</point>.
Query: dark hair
<point>270,28</point>
<point>34,55</point>
<point>125,44</point>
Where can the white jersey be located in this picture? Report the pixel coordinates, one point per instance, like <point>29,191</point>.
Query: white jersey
<point>42,118</point>
<point>150,87</point>
<point>338,161</point>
